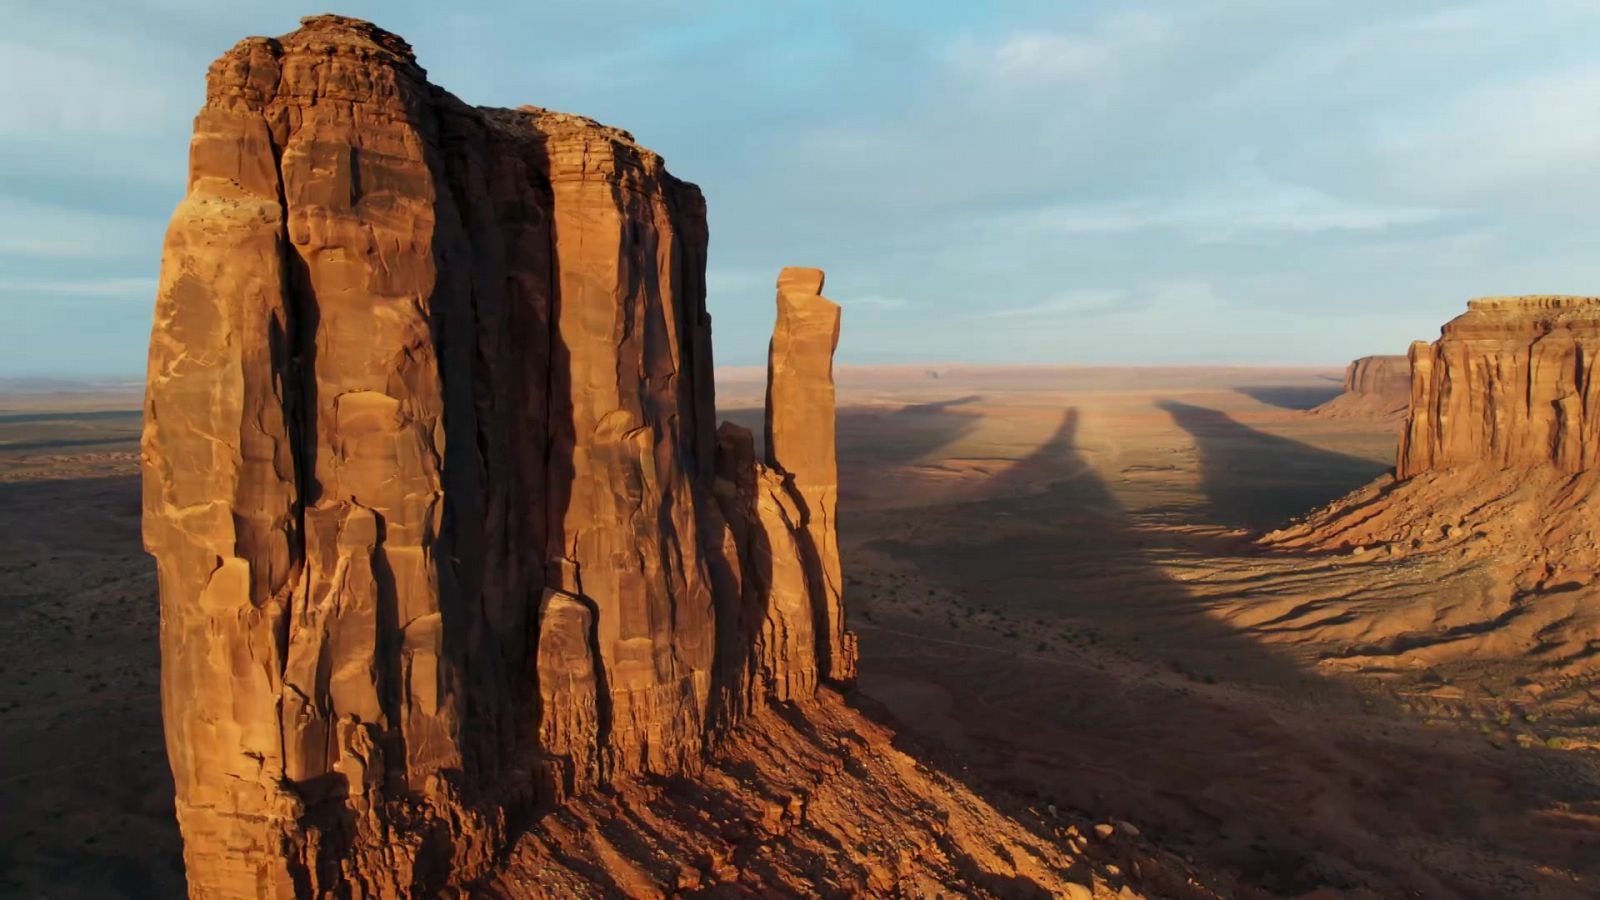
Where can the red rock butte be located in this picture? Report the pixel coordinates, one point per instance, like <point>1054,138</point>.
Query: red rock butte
<point>1510,382</point>
<point>1374,386</point>
<point>445,527</point>
<point>1498,455</point>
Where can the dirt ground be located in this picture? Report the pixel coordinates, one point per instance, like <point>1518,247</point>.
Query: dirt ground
<point>1053,576</point>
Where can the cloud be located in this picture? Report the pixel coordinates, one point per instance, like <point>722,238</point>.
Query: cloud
<point>68,95</point>
<point>876,302</point>
<point>1499,139</point>
<point>1036,57</point>
<point>44,231</point>
<point>1073,303</point>
<point>1233,209</point>
<point>83,287</point>
<point>1231,180</point>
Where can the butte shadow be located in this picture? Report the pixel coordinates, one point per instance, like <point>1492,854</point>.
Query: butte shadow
<point>1293,397</point>
<point>1075,671</point>
<point>1256,480</point>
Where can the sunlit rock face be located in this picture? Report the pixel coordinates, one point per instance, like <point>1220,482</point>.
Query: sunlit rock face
<point>800,441</point>
<point>1510,383</point>
<point>444,525</point>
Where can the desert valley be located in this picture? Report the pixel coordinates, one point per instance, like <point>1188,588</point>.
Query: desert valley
<point>438,556</point>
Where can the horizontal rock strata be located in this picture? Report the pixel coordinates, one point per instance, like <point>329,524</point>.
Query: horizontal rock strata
<point>431,477</point>
<point>1510,383</point>
<point>1374,386</point>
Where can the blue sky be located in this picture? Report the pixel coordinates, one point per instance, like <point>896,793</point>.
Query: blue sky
<point>1173,181</point>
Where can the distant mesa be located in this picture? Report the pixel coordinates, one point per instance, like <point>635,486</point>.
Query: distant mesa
<point>1374,387</point>
<point>445,525</point>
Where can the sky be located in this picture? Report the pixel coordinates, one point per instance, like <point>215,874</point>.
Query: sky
<point>1167,181</point>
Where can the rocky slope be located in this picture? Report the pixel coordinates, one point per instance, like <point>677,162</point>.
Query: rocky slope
<point>444,526</point>
<point>1374,386</point>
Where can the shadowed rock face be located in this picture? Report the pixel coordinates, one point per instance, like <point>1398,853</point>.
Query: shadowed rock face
<point>1374,387</point>
<point>1381,375</point>
<point>430,477</point>
<point>1510,383</point>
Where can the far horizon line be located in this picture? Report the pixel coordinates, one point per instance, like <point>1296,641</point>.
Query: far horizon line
<point>42,381</point>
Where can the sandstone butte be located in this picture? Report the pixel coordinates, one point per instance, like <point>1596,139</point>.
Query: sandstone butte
<point>445,526</point>
<point>1497,459</point>
<point>1376,386</point>
<point>463,588</point>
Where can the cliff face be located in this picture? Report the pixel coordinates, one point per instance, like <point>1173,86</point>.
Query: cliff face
<point>1374,386</point>
<point>1509,383</point>
<point>1380,375</point>
<point>431,477</point>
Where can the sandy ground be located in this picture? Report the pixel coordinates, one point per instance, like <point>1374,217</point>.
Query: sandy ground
<point>1058,597</point>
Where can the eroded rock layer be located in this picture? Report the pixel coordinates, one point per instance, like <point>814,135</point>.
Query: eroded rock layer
<point>1378,375</point>
<point>1510,383</point>
<point>431,477</point>
<point>1374,386</point>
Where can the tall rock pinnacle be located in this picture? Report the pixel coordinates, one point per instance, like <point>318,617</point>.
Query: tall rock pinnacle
<point>800,441</point>
<point>431,477</point>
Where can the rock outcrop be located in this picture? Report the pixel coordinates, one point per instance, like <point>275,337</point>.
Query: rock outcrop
<point>1496,475</point>
<point>431,476</point>
<point>800,441</point>
<point>1374,386</point>
<point>1510,383</point>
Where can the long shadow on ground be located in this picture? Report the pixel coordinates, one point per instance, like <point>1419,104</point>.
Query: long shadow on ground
<point>1079,673</point>
<point>1295,397</point>
<point>1252,479</point>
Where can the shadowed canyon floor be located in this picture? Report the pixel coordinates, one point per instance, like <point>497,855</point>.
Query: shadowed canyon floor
<point>1059,603</point>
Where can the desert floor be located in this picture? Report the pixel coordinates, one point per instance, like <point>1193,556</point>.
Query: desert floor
<point>1059,601</point>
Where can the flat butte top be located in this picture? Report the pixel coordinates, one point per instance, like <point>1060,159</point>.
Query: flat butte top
<point>1534,312</point>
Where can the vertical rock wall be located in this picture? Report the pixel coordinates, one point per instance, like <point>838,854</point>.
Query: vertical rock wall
<point>443,523</point>
<point>1383,376</point>
<point>1510,383</point>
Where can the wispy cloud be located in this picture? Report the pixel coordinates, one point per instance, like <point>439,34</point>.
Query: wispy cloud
<point>36,230</point>
<point>876,302</point>
<point>1506,137</point>
<point>82,287</point>
<point>1084,303</point>
<point>1041,57</point>
<point>1223,211</point>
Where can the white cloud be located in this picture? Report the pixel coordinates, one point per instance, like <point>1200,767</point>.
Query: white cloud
<point>1500,138</point>
<point>876,302</point>
<point>1234,209</point>
<point>42,231</point>
<point>83,287</point>
<point>51,93</point>
<point>1070,303</point>
<point>1046,57</point>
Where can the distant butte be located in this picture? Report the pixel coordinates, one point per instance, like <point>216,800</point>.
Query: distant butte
<point>1374,386</point>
